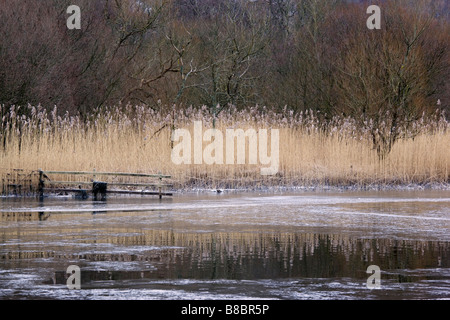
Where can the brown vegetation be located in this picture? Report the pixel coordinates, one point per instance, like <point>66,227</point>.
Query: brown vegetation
<point>228,56</point>
<point>304,54</point>
<point>311,152</point>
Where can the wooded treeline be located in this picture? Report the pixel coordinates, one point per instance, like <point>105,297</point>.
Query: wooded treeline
<point>303,54</point>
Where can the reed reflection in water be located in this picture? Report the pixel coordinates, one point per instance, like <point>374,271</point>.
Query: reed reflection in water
<point>117,250</point>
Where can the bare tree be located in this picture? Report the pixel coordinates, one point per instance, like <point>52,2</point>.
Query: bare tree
<point>44,62</point>
<point>218,57</point>
<point>385,76</point>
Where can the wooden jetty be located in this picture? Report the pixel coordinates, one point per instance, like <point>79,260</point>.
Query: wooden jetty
<point>101,187</point>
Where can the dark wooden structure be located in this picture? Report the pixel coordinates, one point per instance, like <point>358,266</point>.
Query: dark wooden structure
<point>101,188</point>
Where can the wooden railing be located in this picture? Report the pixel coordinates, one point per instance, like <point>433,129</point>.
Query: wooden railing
<point>100,187</point>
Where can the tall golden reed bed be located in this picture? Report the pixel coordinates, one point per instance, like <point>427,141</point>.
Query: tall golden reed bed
<point>138,139</point>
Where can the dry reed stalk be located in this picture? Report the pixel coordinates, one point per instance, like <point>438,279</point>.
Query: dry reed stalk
<point>138,140</point>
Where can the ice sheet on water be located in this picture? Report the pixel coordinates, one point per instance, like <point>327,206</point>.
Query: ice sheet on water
<point>235,235</point>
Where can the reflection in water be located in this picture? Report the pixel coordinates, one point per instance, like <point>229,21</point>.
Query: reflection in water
<point>118,250</point>
<point>244,255</point>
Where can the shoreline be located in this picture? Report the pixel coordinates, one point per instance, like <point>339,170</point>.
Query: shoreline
<point>319,188</point>
<point>416,187</point>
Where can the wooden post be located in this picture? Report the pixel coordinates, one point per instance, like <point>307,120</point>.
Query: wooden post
<point>94,189</point>
<point>160,184</point>
<point>41,184</point>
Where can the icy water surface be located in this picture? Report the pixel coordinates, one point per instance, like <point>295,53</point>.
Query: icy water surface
<point>228,246</point>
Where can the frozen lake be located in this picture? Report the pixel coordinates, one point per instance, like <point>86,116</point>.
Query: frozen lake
<point>228,246</point>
